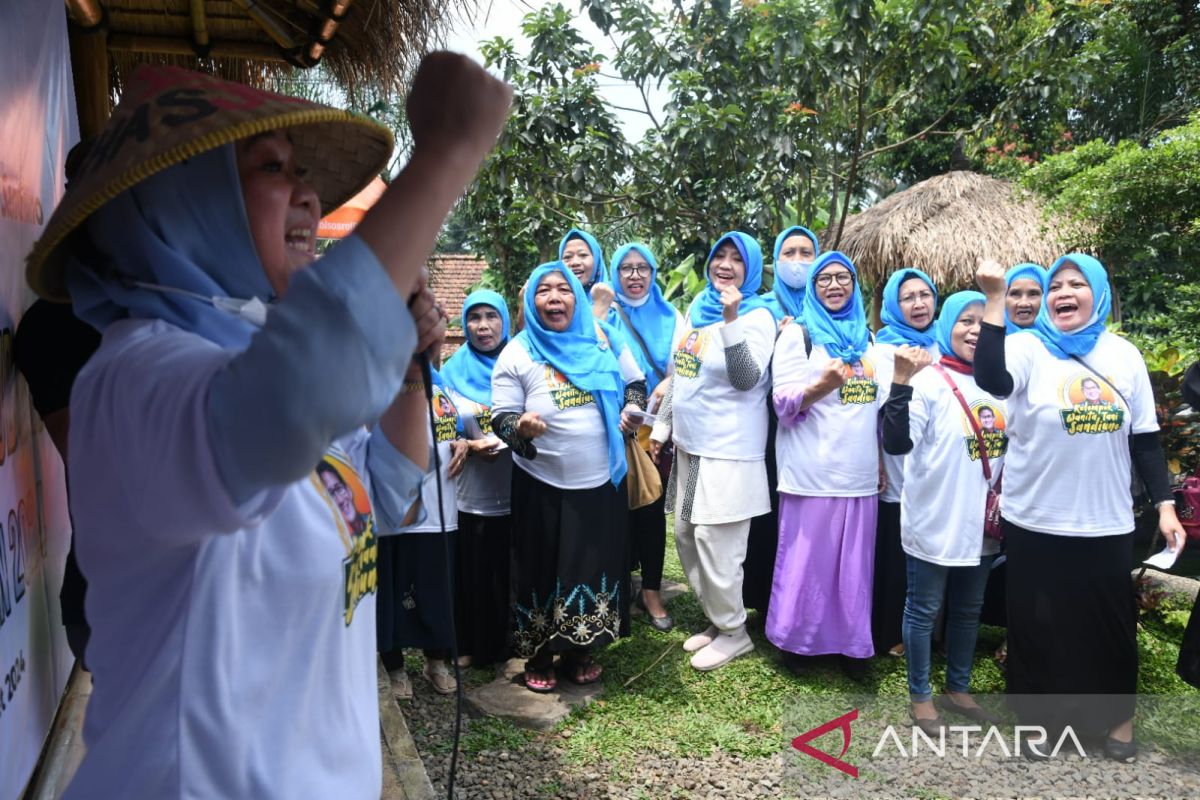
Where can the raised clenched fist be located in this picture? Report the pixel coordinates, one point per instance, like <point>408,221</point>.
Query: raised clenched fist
<point>990,277</point>
<point>455,102</point>
<point>909,361</point>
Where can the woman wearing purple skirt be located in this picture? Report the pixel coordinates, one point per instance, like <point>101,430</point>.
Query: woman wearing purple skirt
<point>828,396</point>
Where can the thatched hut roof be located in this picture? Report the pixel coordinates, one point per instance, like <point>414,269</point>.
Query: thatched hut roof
<point>360,42</point>
<point>944,225</point>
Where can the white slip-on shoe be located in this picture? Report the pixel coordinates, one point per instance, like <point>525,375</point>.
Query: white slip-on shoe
<point>401,685</point>
<point>723,649</point>
<point>440,676</point>
<point>700,640</point>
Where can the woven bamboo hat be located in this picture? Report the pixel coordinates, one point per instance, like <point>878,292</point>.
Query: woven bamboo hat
<point>167,115</point>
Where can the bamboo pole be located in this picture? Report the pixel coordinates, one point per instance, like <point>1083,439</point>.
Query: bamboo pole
<point>85,13</point>
<point>170,45</point>
<point>89,71</point>
<point>267,23</point>
<point>337,10</point>
<point>199,24</point>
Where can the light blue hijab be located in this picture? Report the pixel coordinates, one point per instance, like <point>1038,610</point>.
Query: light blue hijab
<point>1027,270</point>
<point>1064,344</point>
<point>652,316</point>
<point>469,372</point>
<point>843,333</point>
<point>952,309</point>
<point>706,308</point>
<point>898,331</point>
<point>785,300</point>
<point>184,227</point>
<point>598,275</point>
<point>581,357</point>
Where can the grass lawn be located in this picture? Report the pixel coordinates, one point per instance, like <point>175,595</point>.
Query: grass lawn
<point>671,708</point>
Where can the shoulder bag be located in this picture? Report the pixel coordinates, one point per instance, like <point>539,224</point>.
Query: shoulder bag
<point>991,513</point>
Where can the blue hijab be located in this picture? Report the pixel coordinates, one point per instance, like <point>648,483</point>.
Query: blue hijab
<point>706,308</point>
<point>651,315</point>
<point>598,275</point>
<point>1064,344</point>
<point>1029,270</point>
<point>788,301</point>
<point>469,372</point>
<point>186,228</point>
<point>843,334</point>
<point>952,309</point>
<point>581,357</point>
<point>898,331</point>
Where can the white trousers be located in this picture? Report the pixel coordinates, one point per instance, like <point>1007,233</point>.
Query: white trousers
<point>712,558</point>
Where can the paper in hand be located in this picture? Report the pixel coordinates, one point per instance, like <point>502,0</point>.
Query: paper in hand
<point>1163,560</point>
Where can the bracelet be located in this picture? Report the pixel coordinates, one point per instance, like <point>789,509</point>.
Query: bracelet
<point>1162,503</point>
<point>412,387</point>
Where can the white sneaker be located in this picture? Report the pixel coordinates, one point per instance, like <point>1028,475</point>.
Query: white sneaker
<point>702,639</point>
<point>723,649</point>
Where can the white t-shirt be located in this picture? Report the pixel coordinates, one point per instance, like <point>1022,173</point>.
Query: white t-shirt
<point>484,488</point>
<point>1068,460</point>
<point>445,423</point>
<point>229,643</point>
<point>945,494</point>
<point>834,450</point>
<point>710,417</point>
<point>573,452</point>
<point>893,466</point>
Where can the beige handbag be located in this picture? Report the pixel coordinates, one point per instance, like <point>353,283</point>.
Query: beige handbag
<point>642,479</point>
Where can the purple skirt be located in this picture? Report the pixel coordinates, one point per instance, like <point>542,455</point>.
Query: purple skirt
<point>824,565</point>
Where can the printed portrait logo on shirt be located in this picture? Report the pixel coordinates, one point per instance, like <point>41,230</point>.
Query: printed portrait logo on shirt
<point>860,387</point>
<point>563,392</point>
<point>445,417</point>
<point>992,423</point>
<point>690,354</point>
<point>339,483</point>
<point>1093,406</point>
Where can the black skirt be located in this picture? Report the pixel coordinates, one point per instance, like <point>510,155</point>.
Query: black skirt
<point>483,591</point>
<point>414,607</point>
<point>890,587</point>
<point>570,565</point>
<point>1072,629</point>
<point>758,570</point>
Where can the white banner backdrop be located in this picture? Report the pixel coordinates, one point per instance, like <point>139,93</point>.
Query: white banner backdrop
<point>37,127</point>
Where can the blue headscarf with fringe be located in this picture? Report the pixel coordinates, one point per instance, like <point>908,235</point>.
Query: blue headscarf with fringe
<point>842,333</point>
<point>788,301</point>
<point>706,308</point>
<point>186,228</point>
<point>581,357</point>
<point>651,315</point>
<point>469,372</point>
<point>952,309</point>
<point>898,331</point>
<point>598,275</point>
<point>1035,272</point>
<point>1064,344</point>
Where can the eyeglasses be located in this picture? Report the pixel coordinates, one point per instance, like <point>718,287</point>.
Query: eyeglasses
<point>825,279</point>
<point>640,270</point>
<point>912,298</point>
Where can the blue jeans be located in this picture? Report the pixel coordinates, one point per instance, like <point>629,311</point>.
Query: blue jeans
<point>963,589</point>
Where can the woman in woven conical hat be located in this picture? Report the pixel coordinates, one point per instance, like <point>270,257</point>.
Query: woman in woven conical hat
<point>232,581</point>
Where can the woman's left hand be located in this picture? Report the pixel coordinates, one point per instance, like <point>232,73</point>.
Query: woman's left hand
<point>1169,527</point>
<point>458,457</point>
<point>628,426</point>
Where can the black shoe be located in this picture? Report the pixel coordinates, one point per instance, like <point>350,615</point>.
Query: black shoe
<point>1036,752</point>
<point>855,668</point>
<point>978,714</point>
<point>662,624</point>
<point>1116,750</point>
<point>931,727</point>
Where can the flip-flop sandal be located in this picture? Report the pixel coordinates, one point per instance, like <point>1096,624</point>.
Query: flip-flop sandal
<point>584,671</point>
<point>540,681</point>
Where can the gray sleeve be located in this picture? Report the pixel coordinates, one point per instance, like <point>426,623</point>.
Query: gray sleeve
<point>744,373</point>
<point>330,358</point>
